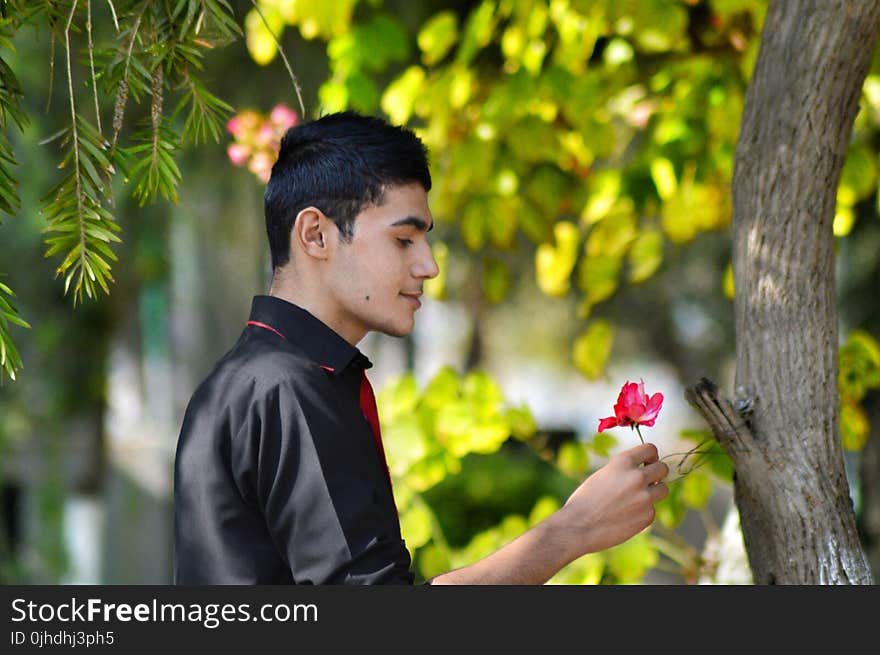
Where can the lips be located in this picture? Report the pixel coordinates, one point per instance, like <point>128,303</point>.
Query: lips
<point>413,298</point>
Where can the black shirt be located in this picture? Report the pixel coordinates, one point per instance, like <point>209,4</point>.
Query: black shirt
<point>277,479</point>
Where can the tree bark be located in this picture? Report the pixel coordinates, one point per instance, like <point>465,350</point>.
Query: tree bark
<point>791,487</point>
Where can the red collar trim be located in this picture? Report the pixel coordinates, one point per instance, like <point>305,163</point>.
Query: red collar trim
<point>266,327</point>
<point>271,329</point>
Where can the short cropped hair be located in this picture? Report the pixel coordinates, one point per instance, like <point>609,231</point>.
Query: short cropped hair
<point>339,163</point>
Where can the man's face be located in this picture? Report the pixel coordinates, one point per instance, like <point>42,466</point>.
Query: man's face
<point>376,279</point>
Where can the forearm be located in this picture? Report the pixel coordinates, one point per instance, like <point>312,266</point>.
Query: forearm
<point>530,559</point>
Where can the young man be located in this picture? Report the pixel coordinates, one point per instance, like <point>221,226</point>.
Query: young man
<point>280,475</point>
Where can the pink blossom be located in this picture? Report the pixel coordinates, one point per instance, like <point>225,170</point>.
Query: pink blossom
<point>233,125</point>
<point>265,136</point>
<point>261,165</point>
<point>238,153</point>
<point>243,123</point>
<point>633,408</point>
<point>283,117</point>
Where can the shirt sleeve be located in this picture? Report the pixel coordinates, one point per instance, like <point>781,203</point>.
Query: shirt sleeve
<point>298,462</point>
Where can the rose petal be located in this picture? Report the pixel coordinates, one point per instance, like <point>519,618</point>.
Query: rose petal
<point>653,408</point>
<point>635,412</point>
<point>630,395</point>
<point>605,423</point>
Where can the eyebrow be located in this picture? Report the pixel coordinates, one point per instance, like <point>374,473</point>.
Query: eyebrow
<point>416,222</point>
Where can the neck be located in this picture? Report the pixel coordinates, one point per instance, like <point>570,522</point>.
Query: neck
<point>309,297</point>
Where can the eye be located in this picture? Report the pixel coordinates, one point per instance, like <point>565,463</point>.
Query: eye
<point>405,243</point>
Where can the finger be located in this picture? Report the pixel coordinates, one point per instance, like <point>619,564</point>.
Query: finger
<point>658,491</point>
<point>645,453</point>
<point>655,472</point>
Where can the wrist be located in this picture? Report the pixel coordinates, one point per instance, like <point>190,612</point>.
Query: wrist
<point>561,528</point>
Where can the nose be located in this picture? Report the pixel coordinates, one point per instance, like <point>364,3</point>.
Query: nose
<point>426,266</point>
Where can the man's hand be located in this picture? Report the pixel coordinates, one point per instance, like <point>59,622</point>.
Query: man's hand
<point>609,507</point>
<point>617,501</point>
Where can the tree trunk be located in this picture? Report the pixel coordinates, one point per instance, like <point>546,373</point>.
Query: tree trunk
<point>791,488</point>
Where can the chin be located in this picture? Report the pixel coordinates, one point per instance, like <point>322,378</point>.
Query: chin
<point>398,329</point>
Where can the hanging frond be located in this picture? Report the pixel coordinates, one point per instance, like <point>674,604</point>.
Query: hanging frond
<point>78,223</point>
<point>153,52</point>
<point>10,111</point>
<point>10,361</point>
<point>9,200</point>
<point>206,115</point>
<point>154,172</point>
<point>10,90</point>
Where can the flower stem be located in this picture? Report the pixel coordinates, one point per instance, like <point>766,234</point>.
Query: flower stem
<point>640,434</point>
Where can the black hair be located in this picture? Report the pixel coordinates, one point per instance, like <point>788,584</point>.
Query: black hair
<point>339,163</point>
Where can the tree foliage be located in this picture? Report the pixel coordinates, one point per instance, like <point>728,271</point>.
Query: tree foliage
<point>147,57</point>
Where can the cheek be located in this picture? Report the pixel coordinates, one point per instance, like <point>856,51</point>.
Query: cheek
<point>371,276</point>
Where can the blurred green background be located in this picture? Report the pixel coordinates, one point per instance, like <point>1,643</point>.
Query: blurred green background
<point>582,153</point>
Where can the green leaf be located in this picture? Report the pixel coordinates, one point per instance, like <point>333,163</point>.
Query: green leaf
<point>586,570</point>
<point>532,222</point>
<point>433,560</point>
<point>670,511</point>
<point>592,349</point>
<point>405,443</point>
<point>859,365</point>
<point>661,25</point>
<point>854,426</point>
<point>696,489</point>
<point>398,398</point>
<point>645,255</point>
<point>496,280</point>
<point>663,174</point>
<point>598,277</point>
<point>453,426</point>
<point>604,191</point>
<point>473,223</point>
<point>416,525</point>
<point>260,41</point>
<point>442,389</point>
<point>555,263</point>
<point>437,37</point>
<point>860,171</point>
<point>728,284</point>
<point>400,96</point>
<point>480,389</point>
<point>573,459</point>
<point>363,96</point>
<point>602,444</point>
<point>436,287</point>
<point>534,140</point>
<point>546,188</point>
<point>333,95</point>
<point>478,31</point>
<point>632,559</point>
<point>543,508</point>
<point>520,422</point>
<point>500,222</point>
<point>369,46</point>
<point>611,236</point>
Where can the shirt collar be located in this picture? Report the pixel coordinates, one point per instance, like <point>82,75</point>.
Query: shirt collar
<point>316,339</point>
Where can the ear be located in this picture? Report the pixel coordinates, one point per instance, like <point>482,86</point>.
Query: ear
<point>310,233</point>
